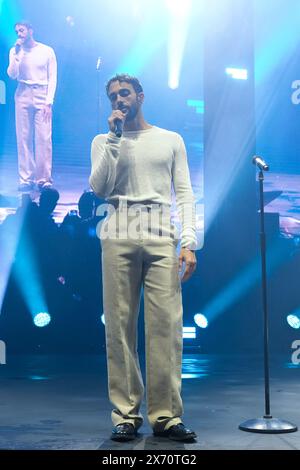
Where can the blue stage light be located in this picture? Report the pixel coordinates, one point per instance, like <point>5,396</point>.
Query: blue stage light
<point>197,104</point>
<point>192,376</point>
<point>276,40</point>
<point>151,34</point>
<point>180,13</point>
<point>42,319</point>
<point>10,12</point>
<point>201,320</point>
<point>237,74</point>
<point>103,318</point>
<point>178,8</point>
<point>189,332</point>
<point>70,21</point>
<point>293,321</point>
<point>92,233</point>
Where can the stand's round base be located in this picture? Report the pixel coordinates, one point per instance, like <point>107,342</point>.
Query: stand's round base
<point>267,425</point>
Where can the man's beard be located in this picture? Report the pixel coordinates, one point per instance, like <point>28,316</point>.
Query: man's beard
<point>27,40</point>
<point>132,113</point>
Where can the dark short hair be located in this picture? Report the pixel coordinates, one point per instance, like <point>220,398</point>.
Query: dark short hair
<point>25,23</point>
<point>124,77</point>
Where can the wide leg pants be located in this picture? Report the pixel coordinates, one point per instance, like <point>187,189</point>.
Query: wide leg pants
<point>34,134</point>
<point>130,263</point>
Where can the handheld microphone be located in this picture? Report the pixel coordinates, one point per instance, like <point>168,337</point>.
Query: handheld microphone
<point>118,127</point>
<point>256,160</point>
<point>18,46</point>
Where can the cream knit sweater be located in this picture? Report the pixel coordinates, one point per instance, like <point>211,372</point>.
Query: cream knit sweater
<point>144,166</point>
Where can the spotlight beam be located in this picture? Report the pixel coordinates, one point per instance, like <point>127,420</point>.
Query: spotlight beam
<point>180,14</point>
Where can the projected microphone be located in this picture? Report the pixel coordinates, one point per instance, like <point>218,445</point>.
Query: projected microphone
<point>256,160</point>
<point>98,63</point>
<point>118,127</point>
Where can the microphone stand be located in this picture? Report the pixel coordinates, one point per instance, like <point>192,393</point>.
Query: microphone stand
<point>98,95</point>
<point>267,424</point>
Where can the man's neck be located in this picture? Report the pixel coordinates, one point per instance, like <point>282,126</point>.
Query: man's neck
<point>137,124</point>
<point>30,44</point>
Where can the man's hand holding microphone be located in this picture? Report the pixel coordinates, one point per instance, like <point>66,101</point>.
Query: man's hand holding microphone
<point>116,121</point>
<point>18,45</point>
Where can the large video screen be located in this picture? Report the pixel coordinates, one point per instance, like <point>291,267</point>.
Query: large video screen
<point>278,108</point>
<point>93,40</point>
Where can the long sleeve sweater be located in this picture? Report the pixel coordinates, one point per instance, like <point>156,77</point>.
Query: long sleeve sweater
<point>34,66</point>
<point>144,166</point>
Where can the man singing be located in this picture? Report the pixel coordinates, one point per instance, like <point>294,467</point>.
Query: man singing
<point>34,65</point>
<point>134,167</point>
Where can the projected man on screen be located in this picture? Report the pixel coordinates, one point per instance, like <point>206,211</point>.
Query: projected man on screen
<point>135,173</point>
<point>33,64</point>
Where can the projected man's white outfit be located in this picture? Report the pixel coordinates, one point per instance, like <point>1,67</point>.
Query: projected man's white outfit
<point>35,69</point>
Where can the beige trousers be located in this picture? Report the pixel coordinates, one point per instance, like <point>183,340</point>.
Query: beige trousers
<point>33,134</point>
<point>131,263</point>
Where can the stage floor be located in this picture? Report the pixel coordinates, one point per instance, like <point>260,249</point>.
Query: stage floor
<point>60,402</point>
